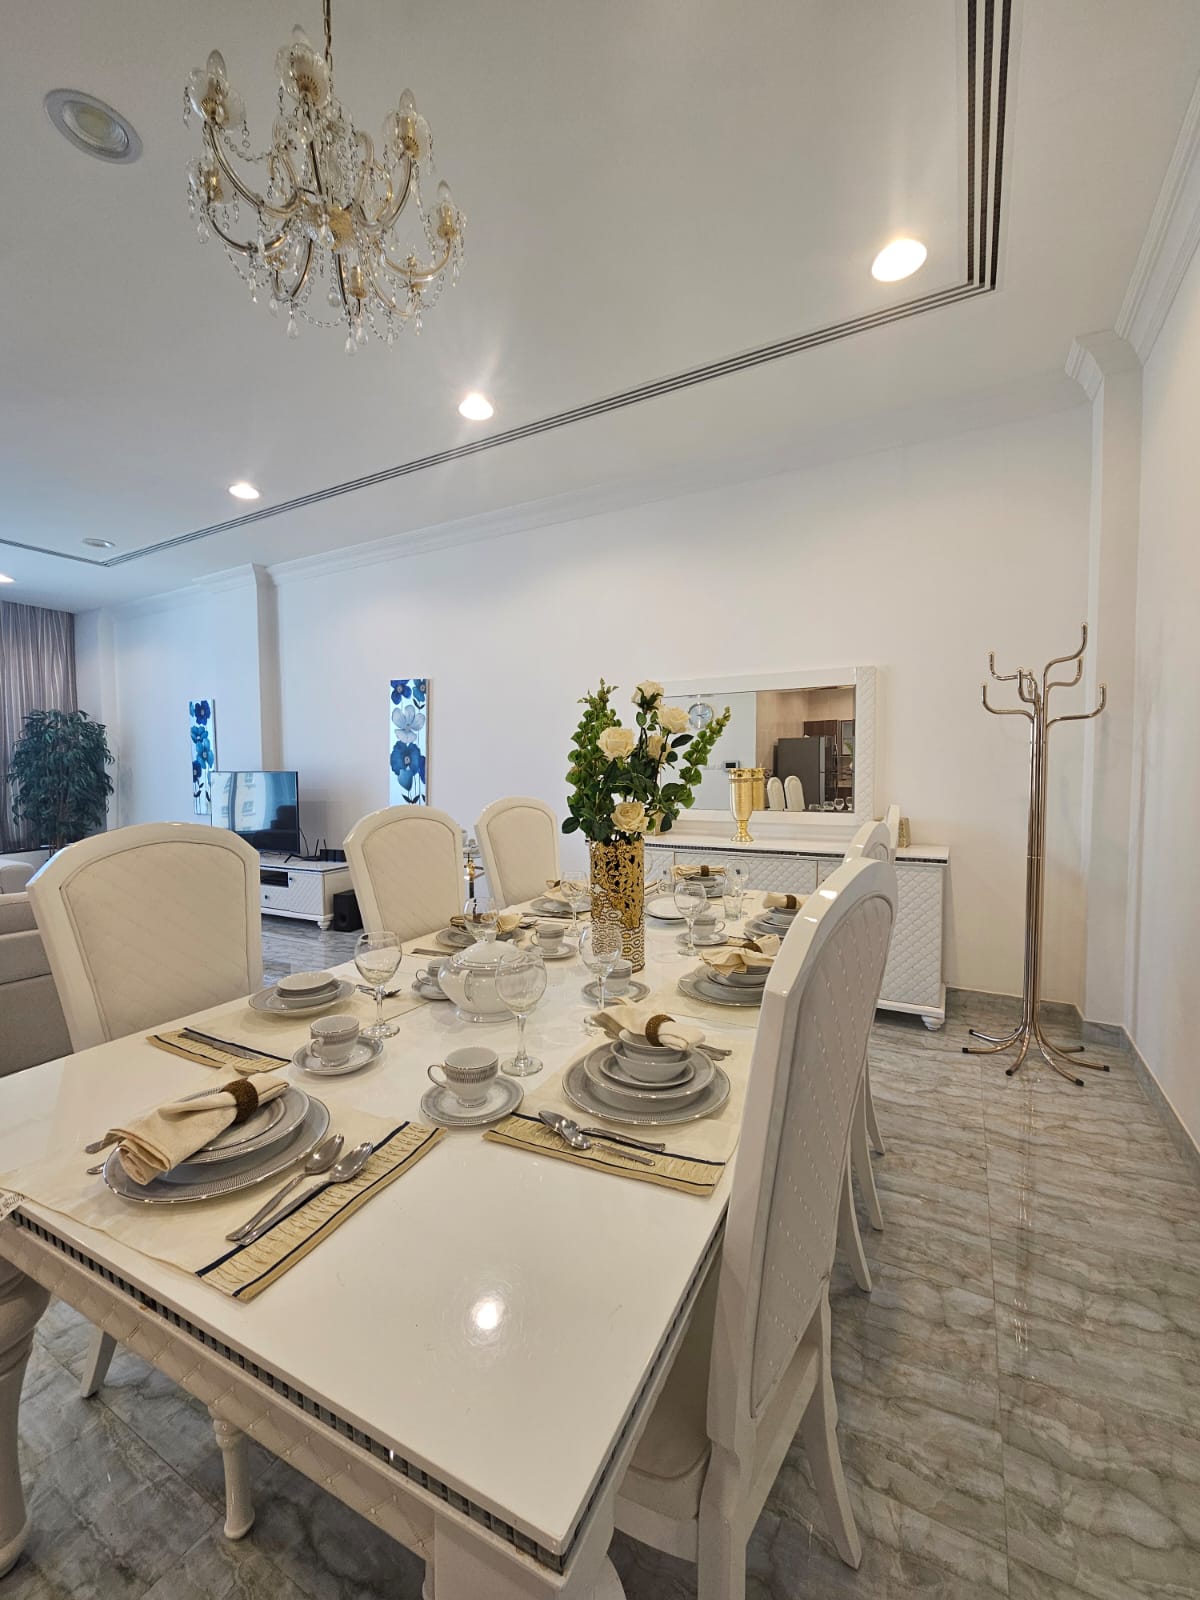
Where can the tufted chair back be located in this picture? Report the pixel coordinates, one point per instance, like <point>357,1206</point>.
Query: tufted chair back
<point>145,924</point>
<point>519,840</point>
<point>873,841</point>
<point>406,863</point>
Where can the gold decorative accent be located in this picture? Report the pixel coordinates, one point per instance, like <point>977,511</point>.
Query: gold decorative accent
<point>741,800</point>
<point>618,877</point>
<point>760,788</point>
<point>904,835</point>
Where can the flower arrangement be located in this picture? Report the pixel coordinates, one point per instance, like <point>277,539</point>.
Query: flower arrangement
<point>627,782</point>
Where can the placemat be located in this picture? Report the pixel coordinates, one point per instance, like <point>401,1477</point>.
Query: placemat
<point>214,1055</point>
<point>691,1174</point>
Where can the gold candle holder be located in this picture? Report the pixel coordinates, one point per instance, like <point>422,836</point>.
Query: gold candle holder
<point>741,801</point>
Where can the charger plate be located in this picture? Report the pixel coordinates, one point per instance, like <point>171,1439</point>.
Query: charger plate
<point>578,1090</point>
<point>697,987</point>
<point>268,1000</point>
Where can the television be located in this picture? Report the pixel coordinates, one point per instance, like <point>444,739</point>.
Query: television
<point>263,807</point>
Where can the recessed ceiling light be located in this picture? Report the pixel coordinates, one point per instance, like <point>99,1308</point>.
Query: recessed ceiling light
<point>475,407</point>
<point>100,544</point>
<point>897,260</point>
<point>4,578</point>
<point>241,490</point>
<point>92,126</point>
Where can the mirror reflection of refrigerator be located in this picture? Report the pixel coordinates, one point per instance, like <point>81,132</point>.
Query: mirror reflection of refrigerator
<point>813,760</point>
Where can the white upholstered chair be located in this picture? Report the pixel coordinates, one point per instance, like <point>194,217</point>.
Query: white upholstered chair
<point>775,796</point>
<point>891,821</point>
<point>754,1363</point>
<point>519,840</point>
<point>793,793</point>
<point>406,864</point>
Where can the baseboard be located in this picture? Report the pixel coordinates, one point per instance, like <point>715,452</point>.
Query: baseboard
<point>1177,1130</point>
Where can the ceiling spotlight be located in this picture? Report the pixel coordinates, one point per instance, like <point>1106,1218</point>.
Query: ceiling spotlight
<point>4,578</point>
<point>897,260</point>
<point>100,544</point>
<point>241,490</point>
<point>475,407</point>
<point>92,126</point>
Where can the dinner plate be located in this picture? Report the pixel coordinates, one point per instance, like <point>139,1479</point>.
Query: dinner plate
<point>243,1174</point>
<point>455,938</point>
<point>281,1117</point>
<point>268,1000</point>
<point>580,1091</point>
<point>546,907</point>
<point>697,987</point>
<point>663,910</point>
<point>641,1096</point>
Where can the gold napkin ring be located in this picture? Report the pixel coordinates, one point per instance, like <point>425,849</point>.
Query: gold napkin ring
<point>245,1098</point>
<point>654,1024</point>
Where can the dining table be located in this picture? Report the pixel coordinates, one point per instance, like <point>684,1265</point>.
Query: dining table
<point>468,1361</point>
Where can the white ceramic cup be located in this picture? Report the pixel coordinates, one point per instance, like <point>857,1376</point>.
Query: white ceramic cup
<point>619,978</point>
<point>550,935</point>
<point>466,1073</point>
<point>332,1039</point>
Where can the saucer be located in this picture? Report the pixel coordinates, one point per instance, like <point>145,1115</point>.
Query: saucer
<point>564,953</point>
<point>429,991</point>
<point>707,941</point>
<point>363,1053</point>
<point>443,1108</point>
<point>632,991</point>
<point>268,1000</point>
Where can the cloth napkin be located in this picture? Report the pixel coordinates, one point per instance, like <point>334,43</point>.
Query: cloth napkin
<point>506,922</point>
<point>784,902</point>
<point>647,1023</point>
<point>754,955</point>
<point>700,870</point>
<point>160,1139</point>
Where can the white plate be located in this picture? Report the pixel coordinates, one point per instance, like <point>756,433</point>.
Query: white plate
<point>642,1096</point>
<point>666,910</point>
<point>696,987</point>
<point>363,1053</point>
<point>618,1071</point>
<point>268,1000</point>
<point>564,954</point>
<point>443,1108</point>
<point>632,991</point>
<point>579,1091</point>
<point>288,1108</point>
<point>703,940</point>
<point>428,991</point>
<point>553,908</point>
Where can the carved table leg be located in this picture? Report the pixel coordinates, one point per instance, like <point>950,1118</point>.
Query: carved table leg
<point>22,1302</point>
<point>239,1502</point>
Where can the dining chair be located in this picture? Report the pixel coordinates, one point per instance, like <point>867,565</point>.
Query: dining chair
<point>141,925</point>
<point>753,1365</point>
<point>406,865</point>
<point>775,798</point>
<point>519,840</point>
<point>891,821</point>
<point>793,793</point>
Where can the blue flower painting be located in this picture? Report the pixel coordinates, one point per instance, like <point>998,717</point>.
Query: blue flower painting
<point>203,717</point>
<point>408,733</point>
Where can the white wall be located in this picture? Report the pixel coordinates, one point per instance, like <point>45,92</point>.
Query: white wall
<point>1165,869</point>
<point>918,560</point>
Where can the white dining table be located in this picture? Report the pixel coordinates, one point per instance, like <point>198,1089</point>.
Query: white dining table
<point>467,1361</point>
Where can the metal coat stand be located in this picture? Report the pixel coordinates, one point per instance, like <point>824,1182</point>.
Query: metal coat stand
<point>1035,692</point>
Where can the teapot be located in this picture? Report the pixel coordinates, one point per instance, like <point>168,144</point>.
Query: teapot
<point>469,978</point>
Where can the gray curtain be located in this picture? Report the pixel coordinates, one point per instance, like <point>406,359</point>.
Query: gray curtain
<point>37,673</point>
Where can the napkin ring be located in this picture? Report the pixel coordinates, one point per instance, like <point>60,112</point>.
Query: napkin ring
<point>654,1024</point>
<point>245,1098</point>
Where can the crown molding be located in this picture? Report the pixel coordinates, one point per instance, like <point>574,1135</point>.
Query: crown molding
<point>1170,242</point>
<point>1096,356</point>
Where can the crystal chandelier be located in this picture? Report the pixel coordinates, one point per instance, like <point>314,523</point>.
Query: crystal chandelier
<point>332,232</point>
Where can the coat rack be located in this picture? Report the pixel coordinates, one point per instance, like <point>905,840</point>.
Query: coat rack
<point>1028,1035</point>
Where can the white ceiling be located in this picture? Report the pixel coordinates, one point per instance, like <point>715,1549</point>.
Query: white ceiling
<point>651,185</point>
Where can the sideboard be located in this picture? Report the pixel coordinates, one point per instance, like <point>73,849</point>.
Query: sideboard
<point>912,980</point>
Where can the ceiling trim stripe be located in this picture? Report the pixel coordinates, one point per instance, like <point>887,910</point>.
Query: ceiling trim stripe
<point>987,81</point>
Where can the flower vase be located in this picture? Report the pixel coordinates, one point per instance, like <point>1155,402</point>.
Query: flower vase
<point>618,880</point>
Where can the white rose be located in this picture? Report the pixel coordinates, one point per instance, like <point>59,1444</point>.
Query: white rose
<point>648,690</point>
<point>629,816</point>
<point>674,719</point>
<point>654,745</point>
<point>617,743</point>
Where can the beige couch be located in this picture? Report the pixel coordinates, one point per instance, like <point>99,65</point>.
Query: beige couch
<point>31,1020</point>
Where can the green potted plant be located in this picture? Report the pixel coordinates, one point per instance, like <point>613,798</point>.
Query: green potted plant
<point>626,783</point>
<point>60,787</point>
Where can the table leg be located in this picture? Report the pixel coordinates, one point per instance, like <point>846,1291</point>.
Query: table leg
<point>22,1302</point>
<point>239,1502</point>
<point>467,1567</point>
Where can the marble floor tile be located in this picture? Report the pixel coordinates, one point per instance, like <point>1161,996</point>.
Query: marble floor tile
<point>217,1568</point>
<point>52,1415</point>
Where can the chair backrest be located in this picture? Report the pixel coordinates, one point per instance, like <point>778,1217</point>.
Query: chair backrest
<point>781,1227</point>
<point>871,841</point>
<point>891,821</point>
<point>774,794</point>
<point>406,864</point>
<point>519,840</point>
<point>145,924</point>
<point>14,875</point>
<point>793,793</point>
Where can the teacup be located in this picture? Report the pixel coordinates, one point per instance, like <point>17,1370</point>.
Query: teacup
<point>466,1073</point>
<point>619,978</point>
<point>332,1039</point>
<point>551,936</point>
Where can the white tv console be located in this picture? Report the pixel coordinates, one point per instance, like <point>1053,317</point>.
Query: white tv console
<point>291,887</point>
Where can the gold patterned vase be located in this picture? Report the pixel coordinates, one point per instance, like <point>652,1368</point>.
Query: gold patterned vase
<point>618,874</point>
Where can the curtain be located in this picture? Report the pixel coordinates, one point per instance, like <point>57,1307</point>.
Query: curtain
<point>37,673</point>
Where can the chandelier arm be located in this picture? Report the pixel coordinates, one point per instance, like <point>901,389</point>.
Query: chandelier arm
<point>259,202</point>
<point>329,36</point>
<point>337,255</point>
<point>292,294</point>
<point>243,249</point>
<point>420,274</point>
<point>367,146</point>
<point>382,222</point>
<point>390,302</point>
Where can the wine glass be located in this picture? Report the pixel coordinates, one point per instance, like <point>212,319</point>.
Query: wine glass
<point>521,983</point>
<point>577,894</point>
<point>600,950</point>
<point>482,918</point>
<point>377,956</point>
<point>690,898</point>
<point>735,889</point>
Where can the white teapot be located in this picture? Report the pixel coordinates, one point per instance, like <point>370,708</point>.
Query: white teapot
<point>469,978</point>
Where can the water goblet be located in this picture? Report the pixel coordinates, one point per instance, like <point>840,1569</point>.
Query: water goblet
<point>735,889</point>
<point>577,894</point>
<point>521,983</point>
<point>690,899</point>
<point>377,956</point>
<point>600,949</point>
<point>482,918</point>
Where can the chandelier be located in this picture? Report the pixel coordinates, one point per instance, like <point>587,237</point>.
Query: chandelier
<point>333,231</point>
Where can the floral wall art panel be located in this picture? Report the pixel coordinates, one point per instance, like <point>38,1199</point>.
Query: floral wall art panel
<point>408,731</point>
<point>203,718</point>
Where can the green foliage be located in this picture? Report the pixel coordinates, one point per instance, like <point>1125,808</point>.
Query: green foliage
<point>59,783</point>
<point>657,774</point>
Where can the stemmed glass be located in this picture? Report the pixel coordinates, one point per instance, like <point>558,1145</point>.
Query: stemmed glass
<point>482,918</point>
<point>735,889</point>
<point>690,898</point>
<point>521,983</point>
<point>377,956</point>
<point>600,950</point>
<point>577,895</point>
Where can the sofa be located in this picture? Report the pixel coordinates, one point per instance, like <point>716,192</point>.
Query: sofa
<point>32,1028</point>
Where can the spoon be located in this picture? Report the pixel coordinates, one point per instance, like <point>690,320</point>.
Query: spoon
<point>319,1159</point>
<point>347,1168</point>
<point>571,1133</point>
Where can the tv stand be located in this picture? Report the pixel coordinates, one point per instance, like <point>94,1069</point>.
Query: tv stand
<point>292,887</point>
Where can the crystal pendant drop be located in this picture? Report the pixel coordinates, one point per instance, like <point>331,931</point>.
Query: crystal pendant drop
<point>350,347</point>
<point>293,327</point>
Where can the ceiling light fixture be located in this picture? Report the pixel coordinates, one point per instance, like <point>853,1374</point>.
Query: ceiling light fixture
<point>92,126</point>
<point>897,260</point>
<point>475,407</point>
<point>241,490</point>
<point>328,228</point>
<point>100,544</point>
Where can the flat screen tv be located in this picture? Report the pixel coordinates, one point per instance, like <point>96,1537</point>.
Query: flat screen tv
<point>263,807</point>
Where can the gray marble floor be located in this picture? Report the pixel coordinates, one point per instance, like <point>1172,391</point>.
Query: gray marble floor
<point>1019,1396</point>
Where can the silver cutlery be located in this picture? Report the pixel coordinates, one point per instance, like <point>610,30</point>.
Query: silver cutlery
<point>318,1160</point>
<point>571,1133</point>
<point>347,1168</point>
<point>388,994</point>
<point>623,1138</point>
<point>417,950</point>
<point>245,1052</point>
<point>713,1052</point>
